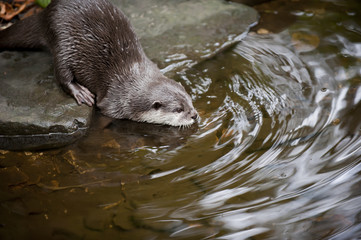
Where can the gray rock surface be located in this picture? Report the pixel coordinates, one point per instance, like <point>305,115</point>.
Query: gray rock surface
<point>177,34</point>
<point>34,111</point>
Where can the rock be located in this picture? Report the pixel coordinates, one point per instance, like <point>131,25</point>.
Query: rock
<point>250,2</point>
<point>123,221</point>
<point>16,206</point>
<point>12,176</point>
<point>178,34</point>
<point>97,220</point>
<point>37,114</point>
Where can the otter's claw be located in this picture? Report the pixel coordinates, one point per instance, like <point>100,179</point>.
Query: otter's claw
<point>81,94</point>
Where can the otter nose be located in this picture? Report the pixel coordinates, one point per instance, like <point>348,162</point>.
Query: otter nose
<point>195,116</point>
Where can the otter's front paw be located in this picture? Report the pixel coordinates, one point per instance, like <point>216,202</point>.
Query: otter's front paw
<point>81,94</point>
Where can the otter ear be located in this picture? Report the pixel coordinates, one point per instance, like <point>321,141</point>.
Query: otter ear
<point>156,105</point>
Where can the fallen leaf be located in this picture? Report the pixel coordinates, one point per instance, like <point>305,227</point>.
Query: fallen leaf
<point>263,31</point>
<point>111,144</point>
<point>9,11</point>
<point>304,42</point>
<point>336,121</point>
<point>4,152</point>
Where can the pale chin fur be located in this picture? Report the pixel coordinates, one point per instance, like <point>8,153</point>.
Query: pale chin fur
<point>159,117</point>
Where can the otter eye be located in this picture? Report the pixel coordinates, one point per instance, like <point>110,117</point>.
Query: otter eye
<point>157,105</point>
<point>178,110</point>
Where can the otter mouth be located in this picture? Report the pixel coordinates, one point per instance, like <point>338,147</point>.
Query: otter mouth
<point>181,124</point>
<point>184,126</point>
<point>171,119</point>
<point>188,125</point>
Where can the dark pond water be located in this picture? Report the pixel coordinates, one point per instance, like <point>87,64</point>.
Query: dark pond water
<point>276,154</point>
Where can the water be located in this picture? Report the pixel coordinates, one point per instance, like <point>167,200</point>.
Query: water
<point>276,154</point>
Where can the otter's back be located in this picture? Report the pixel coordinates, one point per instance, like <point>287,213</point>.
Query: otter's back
<point>91,37</point>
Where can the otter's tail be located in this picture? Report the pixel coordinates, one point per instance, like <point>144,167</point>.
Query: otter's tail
<point>24,34</point>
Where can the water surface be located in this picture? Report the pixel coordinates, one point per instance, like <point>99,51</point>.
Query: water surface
<point>276,154</point>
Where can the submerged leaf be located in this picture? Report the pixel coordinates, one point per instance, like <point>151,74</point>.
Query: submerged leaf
<point>304,42</point>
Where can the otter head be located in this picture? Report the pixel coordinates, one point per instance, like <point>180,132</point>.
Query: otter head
<point>168,103</point>
<point>159,101</point>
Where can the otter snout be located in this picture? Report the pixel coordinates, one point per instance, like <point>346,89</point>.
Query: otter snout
<point>193,114</point>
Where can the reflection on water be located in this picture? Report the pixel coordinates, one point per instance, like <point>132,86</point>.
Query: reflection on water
<point>276,154</point>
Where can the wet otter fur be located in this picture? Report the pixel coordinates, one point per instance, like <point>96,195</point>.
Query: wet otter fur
<point>98,60</point>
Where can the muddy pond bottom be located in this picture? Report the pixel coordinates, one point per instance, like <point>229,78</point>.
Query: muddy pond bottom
<point>276,154</point>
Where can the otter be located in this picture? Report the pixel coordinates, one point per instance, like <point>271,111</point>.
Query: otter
<point>98,60</point>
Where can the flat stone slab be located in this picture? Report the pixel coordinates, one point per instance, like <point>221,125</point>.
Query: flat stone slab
<point>35,112</point>
<point>176,34</point>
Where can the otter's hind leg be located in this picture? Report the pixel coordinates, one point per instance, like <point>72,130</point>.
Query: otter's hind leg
<point>79,92</point>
